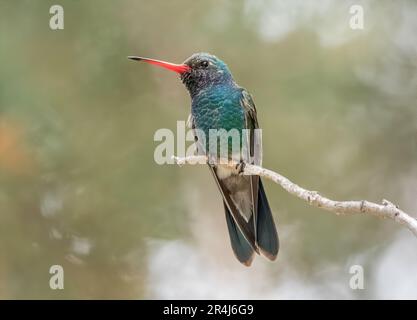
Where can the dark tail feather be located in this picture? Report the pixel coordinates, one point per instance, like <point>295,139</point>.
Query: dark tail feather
<point>241,247</point>
<point>267,237</point>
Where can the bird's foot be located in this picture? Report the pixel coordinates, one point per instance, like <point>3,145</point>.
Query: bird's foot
<point>240,167</point>
<point>212,160</point>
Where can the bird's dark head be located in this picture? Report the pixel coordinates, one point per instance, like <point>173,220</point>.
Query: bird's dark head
<point>197,72</point>
<point>205,70</point>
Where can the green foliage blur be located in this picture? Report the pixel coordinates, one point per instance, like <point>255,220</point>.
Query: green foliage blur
<point>78,183</point>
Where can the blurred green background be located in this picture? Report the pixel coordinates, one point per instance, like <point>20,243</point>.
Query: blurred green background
<point>79,186</point>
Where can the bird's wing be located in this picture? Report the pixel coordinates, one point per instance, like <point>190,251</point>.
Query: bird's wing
<point>265,230</point>
<point>254,143</point>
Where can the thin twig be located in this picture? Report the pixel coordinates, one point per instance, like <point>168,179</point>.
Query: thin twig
<point>384,210</point>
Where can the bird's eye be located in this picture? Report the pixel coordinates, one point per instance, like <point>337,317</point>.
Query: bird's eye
<point>204,64</point>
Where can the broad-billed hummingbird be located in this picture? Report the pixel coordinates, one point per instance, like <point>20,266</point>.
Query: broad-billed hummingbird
<point>217,102</point>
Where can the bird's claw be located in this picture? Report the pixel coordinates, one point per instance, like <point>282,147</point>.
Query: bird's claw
<point>211,160</point>
<point>240,167</point>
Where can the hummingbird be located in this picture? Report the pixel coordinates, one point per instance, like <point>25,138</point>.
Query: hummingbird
<point>218,102</point>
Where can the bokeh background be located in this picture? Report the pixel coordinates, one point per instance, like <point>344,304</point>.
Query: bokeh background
<point>79,186</point>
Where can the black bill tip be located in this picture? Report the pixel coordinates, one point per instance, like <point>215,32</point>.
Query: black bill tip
<point>136,58</point>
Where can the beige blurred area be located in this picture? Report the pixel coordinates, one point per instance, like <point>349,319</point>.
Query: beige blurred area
<point>79,186</point>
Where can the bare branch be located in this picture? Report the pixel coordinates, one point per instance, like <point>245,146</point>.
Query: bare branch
<point>384,210</point>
